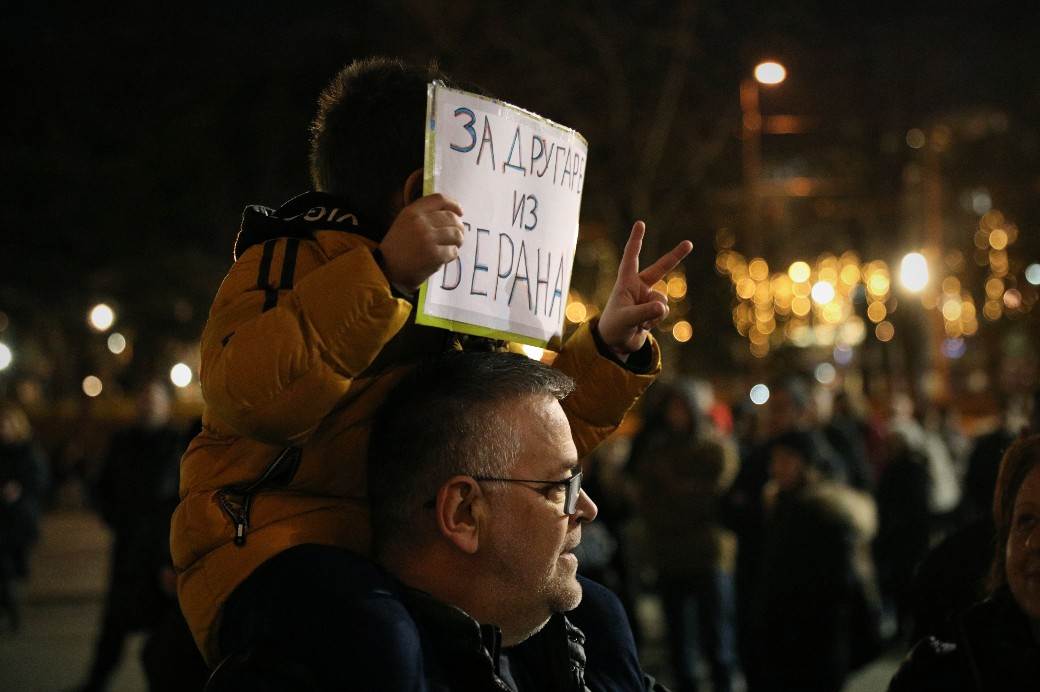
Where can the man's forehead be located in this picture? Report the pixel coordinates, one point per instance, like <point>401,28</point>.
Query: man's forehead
<point>545,435</point>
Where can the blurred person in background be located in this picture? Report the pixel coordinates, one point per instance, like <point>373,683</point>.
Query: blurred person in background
<point>904,513</point>
<point>790,409</point>
<point>23,480</point>
<point>852,436</point>
<point>944,491</point>
<point>135,494</point>
<point>996,643</point>
<point>687,470</point>
<point>816,612</point>
<point>986,453</point>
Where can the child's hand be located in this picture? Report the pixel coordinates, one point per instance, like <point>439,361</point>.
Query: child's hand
<point>634,307</point>
<point>426,235</point>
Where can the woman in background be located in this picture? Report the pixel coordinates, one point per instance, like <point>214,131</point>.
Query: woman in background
<point>997,646</point>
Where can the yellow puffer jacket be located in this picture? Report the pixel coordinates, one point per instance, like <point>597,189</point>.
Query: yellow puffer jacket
<point>303,342</point>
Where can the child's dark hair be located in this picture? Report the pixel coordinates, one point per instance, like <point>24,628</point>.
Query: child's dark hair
<point>368,134</point>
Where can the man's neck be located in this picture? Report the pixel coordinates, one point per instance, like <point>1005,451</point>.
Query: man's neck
<point>430,572</point>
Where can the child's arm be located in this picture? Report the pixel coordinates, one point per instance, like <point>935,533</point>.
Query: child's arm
<point>602,354</point>
<point>272,372</point>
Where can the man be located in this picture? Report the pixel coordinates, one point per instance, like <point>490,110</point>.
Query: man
<point>477,507</point>
<point>136,491</point>
<point>310,328</point>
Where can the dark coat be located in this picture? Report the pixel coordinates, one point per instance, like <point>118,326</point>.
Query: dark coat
<point>994,651</point>
<point>461,655</point>
<point>136,493</point>
<point>816,613</point>
<point>25,465</point>
<point>683,482</point>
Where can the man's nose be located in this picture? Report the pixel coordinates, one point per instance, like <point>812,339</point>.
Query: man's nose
<point>586,509</point>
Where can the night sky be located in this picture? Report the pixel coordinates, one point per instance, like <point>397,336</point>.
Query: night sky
<point>134,138</point>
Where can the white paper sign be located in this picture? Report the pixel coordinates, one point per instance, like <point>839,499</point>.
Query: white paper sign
<point>519,179</point>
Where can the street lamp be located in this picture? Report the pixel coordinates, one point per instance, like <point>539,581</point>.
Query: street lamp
<point>769,74</point>
<point>913,272</point>
<point>101,317</point>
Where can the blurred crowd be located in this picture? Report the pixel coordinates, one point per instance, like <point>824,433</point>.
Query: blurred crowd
<point>788,544</point>
<point>130,479</point>
<point>794,542</point>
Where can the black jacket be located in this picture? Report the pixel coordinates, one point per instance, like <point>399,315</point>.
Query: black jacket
<point>461,655</point>
<point>994,651</point>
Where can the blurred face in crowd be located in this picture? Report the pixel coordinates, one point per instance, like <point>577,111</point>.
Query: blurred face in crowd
<point>1023,547</point>
<point>785,413</point>
<point>530,540</point>
<point>786,468</point>
<point>677,413</point>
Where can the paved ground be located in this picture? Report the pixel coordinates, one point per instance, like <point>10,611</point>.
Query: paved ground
<point>62,604</point>
<point>61,610</point>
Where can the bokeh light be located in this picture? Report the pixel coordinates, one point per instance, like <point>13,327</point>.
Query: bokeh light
<point>758,269</point>
<point>770,72</point>
<point>682,331</point>
<point>759,394</point>
<point>954,348</point>
<point>998,239</point>
<point>822,292</point>
<point>92,385</point>
<point>915,138</point>
<point>799,272</point>
<point>5,356</point>
<point>913,272</point>
<point>180,375</point>
<point>1033,274</point>
<point>101,317</point>
<point>825,373</point>
<point>576,311</point>
<point>885,331</point>
<point>677,287</point>
<point>877,311</point>
<point>116,343</point>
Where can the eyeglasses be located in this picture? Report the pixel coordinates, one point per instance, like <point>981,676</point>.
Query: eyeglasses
<point>572,486</point>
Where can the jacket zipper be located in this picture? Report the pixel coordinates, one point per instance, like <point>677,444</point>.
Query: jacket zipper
<point>236,500</point>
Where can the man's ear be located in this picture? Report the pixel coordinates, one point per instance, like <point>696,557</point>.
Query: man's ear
<point>460,503</point>
<point>413,187</point>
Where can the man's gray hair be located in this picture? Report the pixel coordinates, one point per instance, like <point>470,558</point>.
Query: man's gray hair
<point>449,416</point>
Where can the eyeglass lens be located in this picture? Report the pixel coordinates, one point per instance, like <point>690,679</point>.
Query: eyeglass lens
<point>570,502</point>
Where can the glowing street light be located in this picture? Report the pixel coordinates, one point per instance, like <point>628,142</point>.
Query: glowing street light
<point>770,73</point>
<point>101,317</point>
<point>799,271</point>
<point>116,343</point>
<point>765,74</point>
<point>822,292</point>
<point>180,375</point>
<point>92,386</point>
<point>759,394</point>
<point>913,272</point>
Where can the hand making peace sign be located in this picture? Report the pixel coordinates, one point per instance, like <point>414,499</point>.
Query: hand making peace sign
<point>634,307</point>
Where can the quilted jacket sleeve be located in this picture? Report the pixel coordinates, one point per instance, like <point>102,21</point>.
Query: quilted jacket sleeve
<point>605,391</point>
<point>273,372</point>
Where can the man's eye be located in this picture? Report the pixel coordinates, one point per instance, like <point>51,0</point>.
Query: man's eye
<point>555,490</point>
<point>1025,522</point>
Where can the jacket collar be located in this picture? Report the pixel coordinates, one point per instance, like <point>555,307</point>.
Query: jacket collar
<point>552,660</point>
<point>300,217</point>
